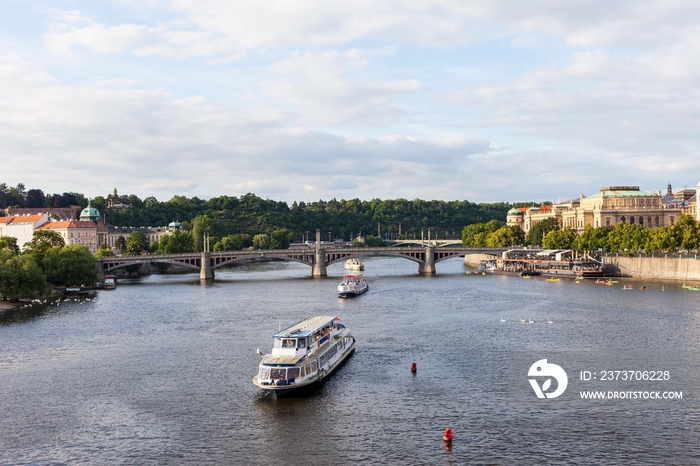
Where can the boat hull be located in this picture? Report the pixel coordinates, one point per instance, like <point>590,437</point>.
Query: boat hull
<point>300,388</point>
<point>352,294</point>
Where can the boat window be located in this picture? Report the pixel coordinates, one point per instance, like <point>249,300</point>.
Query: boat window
<point>264,373</point>
<point>303,371</point>
<point>313,367</point>
<point>278,373</point>
<point>288,344</point>
<point>293,373</point>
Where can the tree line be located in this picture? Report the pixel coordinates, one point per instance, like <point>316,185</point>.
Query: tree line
<point>46,261</point>
<point>252,215</point>
<point>681,236</point>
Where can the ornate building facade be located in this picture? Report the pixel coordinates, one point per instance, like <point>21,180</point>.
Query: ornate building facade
<point>610,206</point>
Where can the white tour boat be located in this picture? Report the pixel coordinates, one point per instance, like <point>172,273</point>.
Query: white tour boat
<point>353,284</point>
<point>304,354</point>
<point>354,264</point>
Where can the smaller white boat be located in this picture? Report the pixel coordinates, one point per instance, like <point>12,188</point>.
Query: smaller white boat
<point>354,264</point>
<point>353,284</point>
<point>110,282</point>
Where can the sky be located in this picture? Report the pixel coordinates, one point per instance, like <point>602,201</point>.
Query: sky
<point>301,100</point>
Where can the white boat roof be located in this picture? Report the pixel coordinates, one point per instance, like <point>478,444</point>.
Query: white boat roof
<point>306,327</point>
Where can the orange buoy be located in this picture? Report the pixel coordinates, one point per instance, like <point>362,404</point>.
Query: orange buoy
<point>447,436</point>
<point>414,367</point>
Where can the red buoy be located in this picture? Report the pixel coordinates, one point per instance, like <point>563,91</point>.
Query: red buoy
<point>448,435</point>
<point>414,367</point>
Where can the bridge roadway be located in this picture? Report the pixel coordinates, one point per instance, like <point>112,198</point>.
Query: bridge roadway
<point>317,258</point>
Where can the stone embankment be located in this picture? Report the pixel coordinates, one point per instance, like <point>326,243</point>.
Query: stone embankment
<point>667,267</point>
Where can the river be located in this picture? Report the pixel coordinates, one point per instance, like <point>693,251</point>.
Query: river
<point>159,371</point>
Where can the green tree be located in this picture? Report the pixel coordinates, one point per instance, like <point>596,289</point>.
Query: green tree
<point>72,265</point>
<point>592,239</point>
<point>10,242</point>
<point>538,231</point>
<point>373,241</point>
<point>42,241</point>
<point>261,241</point>
<point>104,251</point>
<point>120,244</point>
<point>177,242</point>
<point>136,244</point>
<point>20,276</point>
<point>658,240</point>
<point>229,243</point>
<point>503,237</point>
<point>280,239</point>
<point>200,225</point>
<point>683,234</point>
<point>559,239</point>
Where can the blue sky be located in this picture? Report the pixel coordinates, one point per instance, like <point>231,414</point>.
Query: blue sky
<point>295,100</point>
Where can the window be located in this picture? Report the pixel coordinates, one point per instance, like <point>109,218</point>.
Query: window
<point>607,221</point>
<point>623,219</point>
<point>656,221</point>
<point>631,220</point>
<point>641,220</point>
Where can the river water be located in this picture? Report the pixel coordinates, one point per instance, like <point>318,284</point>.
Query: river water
<point>159,371</point>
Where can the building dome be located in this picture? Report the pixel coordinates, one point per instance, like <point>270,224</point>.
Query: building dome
<point>175,225</point>
<point>514,212</point>
<point>89,213</point>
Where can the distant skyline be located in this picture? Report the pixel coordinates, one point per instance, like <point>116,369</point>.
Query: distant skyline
<point>307,100</point>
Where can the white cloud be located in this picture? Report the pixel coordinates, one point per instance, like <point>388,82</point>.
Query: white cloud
<point>95,37</point>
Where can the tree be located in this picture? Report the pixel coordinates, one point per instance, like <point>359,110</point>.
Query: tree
<point>592,239</point>
<point>104,251</point>
<point>559,239</point>
<point>9,242</point>
<point>538,231</point>
<point>42,241</point>
<point>200,225</point>
<point>177,242</point>
<point>73,265</point>
<point>373,241</point>
<point>502,237</point>
<point>120,244</point>
<point>136,244</point>
<point>261,241</point>
<point>20,276</point>
<point>280,239</point>
<point>229,243</point>
<point>35,198</point>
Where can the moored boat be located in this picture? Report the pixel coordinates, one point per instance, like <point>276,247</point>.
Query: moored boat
<point>353,284</point>
<point>304,354</point>
<point>110,282</point>
<point>354,264</point>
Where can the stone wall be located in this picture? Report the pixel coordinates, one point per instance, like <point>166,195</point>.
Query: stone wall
<point>667,268</point>
<point>472,260</point>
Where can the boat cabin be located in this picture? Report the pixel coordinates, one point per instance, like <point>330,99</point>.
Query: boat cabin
<point>302,338</point>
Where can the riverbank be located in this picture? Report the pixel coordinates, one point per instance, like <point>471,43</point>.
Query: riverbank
<point>6,306</point>
<point>663,268</point>
<point>660,268</point>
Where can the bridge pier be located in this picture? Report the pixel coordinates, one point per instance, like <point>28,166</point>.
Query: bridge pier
<point>429,265</point>
<point>206,272</point>
<point>319,267</point>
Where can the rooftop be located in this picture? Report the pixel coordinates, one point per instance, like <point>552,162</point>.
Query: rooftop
<point>306,327</point>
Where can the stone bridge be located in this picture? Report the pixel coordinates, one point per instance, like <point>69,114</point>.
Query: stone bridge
<point>317,258</point>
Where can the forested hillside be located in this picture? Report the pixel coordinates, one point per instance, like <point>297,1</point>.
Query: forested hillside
<point>250,214</point>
